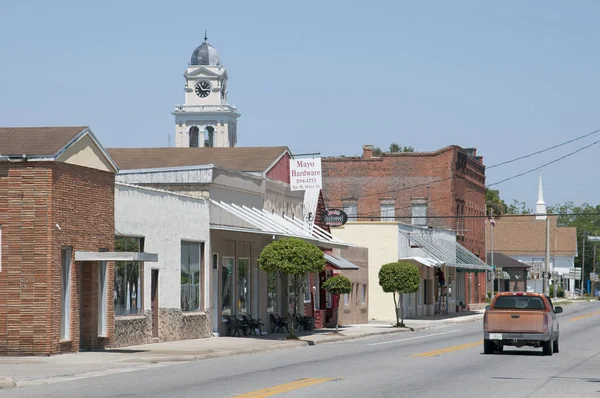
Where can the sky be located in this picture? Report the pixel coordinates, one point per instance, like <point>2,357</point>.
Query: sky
<point>508,78</point>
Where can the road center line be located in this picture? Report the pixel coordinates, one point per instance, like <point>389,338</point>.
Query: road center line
<point>448,349</point>
<point>278,389</point>
<point>578,318</point>
<point>415,338</point>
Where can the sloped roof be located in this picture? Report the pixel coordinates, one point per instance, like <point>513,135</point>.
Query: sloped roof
<point>248,159</point>
<point>36,141</point>
<point>504,261</point>
<point>526,236</point>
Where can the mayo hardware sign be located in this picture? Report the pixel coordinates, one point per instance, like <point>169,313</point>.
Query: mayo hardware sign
<point>305,174</point>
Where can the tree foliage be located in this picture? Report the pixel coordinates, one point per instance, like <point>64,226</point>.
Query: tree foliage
<point>494,203</point>
<point>377,151</point>
<point>395,148</point>
<point>338,285</point>
<point>296,258</point>
<point>518,208</point>
<point>399,277</point>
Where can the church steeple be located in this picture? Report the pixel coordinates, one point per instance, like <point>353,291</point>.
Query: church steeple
<point>540,206</point>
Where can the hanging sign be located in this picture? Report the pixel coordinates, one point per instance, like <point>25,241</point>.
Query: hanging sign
<point>334,217</point>
<point>305,174</point>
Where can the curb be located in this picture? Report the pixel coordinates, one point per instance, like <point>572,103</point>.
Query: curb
<point>7,383</point>
<point>290,344</point>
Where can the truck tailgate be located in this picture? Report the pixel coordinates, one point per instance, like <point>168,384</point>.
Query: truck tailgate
<point>516,321</point>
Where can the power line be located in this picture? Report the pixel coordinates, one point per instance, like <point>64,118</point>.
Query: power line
<point>500,217</point>
<point>371,215</point>
<point>543,150</point>
<point>545,164</point>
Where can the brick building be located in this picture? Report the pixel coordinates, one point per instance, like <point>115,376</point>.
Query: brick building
<point>56,214</point>
<point>437,189</point>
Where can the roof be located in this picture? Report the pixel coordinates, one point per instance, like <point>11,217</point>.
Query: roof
<point>36,141</point>
<point>205,54</point>
<point>340,262</point>
<point>267,223</point>
<point>248,159</point>
<point>526,236</point>
<point>444,252</point>
<point>504,261</point>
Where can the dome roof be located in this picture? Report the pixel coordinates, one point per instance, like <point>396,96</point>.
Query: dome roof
<point>205,54</point>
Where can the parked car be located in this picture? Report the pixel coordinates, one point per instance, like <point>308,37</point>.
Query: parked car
<point>521,319</point>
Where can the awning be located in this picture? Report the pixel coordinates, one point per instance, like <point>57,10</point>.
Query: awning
<point>267,223</point>
<point>340,262</point>
<point>115,256</point>
<point>426,261</point>
<point>445,252</point>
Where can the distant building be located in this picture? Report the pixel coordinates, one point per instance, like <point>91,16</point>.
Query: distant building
<point>437,189</point>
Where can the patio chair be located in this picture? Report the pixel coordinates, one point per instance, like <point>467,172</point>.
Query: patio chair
<point>232,324</point>
<point>278,323</point>
<point>253,324</point>
<point>304,322</point>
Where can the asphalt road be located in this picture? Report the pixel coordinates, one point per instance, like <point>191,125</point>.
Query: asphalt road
<point>441,362</point>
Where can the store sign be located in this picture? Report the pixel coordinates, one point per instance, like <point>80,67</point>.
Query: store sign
<point>334,217</point>
<point>305,174</point>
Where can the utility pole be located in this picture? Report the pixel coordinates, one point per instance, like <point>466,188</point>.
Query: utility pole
<point>492,253</point>
<point>547,259</point>
<point>582,281</point>
<point>594,271</point>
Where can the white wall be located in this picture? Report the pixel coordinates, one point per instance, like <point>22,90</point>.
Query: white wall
<point>164,219</point>
<point>381,238</point>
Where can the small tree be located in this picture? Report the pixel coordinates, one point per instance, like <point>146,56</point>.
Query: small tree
<point>399,277</point>
<point>338,285</point>
<point>296,258</point>
<point>394,147</point>
<point>377,151</point>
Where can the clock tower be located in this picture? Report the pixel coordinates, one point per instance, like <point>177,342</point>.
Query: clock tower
<point>206,119</point>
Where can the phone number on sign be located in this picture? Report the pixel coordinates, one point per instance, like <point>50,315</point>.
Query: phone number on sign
<point>306,180</point>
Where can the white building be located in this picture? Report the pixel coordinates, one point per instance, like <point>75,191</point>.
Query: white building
<point>205,119</point>
<point>165,300</point>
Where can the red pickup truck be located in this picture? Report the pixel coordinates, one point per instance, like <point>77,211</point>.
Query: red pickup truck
<point>521,319</point>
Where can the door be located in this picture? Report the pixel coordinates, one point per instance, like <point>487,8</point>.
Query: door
<point>154,303</point>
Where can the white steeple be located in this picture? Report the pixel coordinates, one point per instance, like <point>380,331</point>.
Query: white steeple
<point>540,206</point>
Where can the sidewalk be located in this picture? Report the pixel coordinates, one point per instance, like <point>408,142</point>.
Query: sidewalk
<point>45,370</point>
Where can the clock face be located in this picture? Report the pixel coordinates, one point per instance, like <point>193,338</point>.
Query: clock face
<point>202,88</point>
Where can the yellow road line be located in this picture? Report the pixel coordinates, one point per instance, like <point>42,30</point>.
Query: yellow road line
<point>448,349</point>
<point>267,392</point>
<point>578,318</point>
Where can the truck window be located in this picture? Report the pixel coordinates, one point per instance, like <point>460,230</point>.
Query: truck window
<point>519,303</point>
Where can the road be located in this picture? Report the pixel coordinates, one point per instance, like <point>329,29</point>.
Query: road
<point>439,362</point>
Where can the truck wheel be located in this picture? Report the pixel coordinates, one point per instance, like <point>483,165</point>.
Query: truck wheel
<point>488,346</point>
<point>547,347</point>
<point>555,346</point>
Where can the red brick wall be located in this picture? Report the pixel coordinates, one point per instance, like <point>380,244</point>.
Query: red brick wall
<point>453,181</point>
<point>34,197</point>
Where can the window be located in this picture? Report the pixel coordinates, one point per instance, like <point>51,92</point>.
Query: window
<point>346,300</point>
<point>102,297</point>
<point>191,255</point>
<point>363,294</point>
<point>351,209</point>
<point>127,297</point>
<point>227,285</point>
<point>271,292</point>
<point>419,212</point>
<point>243,289</point>
<point>65,294</point>
<point>306,287</point>
<point>209,136</point>
<point>388,210</point>
<point>194,136</point>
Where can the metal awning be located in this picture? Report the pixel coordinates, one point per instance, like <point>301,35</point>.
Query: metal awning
<point>267,223</point>
<point>340,262</point>
<point>426,261</point>
<point>445,252</point>
<point>115,256</point>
